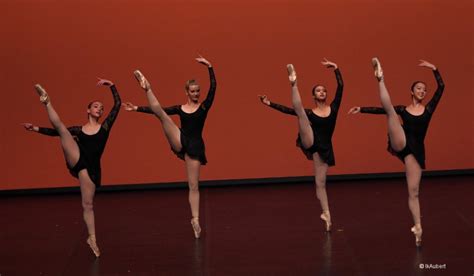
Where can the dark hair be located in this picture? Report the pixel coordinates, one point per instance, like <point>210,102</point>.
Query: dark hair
<point>314,88</point>
<point>415,83</point>
<point>90,104</point>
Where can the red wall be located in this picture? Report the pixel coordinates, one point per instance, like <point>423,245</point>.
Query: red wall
<point>64,45</point>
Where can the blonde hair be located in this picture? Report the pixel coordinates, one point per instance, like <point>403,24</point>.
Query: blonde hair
<point>189,83</point>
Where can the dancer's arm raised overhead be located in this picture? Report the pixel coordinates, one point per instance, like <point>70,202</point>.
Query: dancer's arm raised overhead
<point>336,102</point>
<point>207,103</point>
<point>433,103</point>
<point>110,119</point>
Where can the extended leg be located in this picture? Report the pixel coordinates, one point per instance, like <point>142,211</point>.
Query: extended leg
<point>170,129</point>
<point>395,130</point>
<point>304,126</point>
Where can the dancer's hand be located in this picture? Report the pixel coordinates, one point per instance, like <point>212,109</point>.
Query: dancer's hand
<point>145,85</point>
<point>264,99</point>
<point>104,82</point>
<point>329,64</point>
<point>30,127</point>
<point>354,110</point>
<point>424,63</point>
<point>204,61</point>
<point>291,74</point>
<point>128,106</point>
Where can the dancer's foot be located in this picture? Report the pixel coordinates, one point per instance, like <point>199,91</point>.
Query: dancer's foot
<point>417,231</point>
<point>196,227</point>
<point>44,98</point>
<point>377,69</point>
<point>326,217</point>
<point>142,80</point>
<point>91,241</point>
<point>291,73</point>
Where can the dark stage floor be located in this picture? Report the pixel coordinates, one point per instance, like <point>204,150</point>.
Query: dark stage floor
<point>257,230</point>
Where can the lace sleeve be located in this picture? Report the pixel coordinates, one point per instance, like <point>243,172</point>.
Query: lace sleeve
<point>212,91</point>
<point>109,121</point>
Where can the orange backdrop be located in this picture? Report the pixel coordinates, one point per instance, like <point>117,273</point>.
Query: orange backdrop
<point>64,45</point>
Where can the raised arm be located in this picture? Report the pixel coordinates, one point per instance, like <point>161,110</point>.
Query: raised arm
<point>340,84</point>
<point>110,119</point>
<point>207,103</point>
<point>433,103</point>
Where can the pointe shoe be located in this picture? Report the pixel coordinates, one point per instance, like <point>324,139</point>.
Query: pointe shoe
<point>142,80</point>
<point>91,241</point>
<point>377,69</point>
<point>44,98</point>
<point>291,73</point>
<point>327,219</point>
<point>138,75</point>
<point>417,232</point>
<point>196,227</point>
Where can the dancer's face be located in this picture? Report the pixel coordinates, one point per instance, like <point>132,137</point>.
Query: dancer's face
<point>419,91</point>
<point>320,93</point>
<point>96,109</point>
<point>193,92</point>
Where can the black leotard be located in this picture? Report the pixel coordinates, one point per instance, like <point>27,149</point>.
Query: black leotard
<point>192,124</point>
<point>415,127</point>
<point>323,127</point>
<point>92,146</point>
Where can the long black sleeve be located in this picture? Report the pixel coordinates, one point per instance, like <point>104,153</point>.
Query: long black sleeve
<point>340,87</point>
<point>207,103</point>
<point>109,121</point>
<point>74,130</point>
<point>433,103</point>
<point>283,109</point>
<point>379,110</point>
<point>172,110</point>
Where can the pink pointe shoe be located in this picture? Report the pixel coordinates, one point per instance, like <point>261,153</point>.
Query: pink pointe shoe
<point>377,69</point>
<point>44,98</point>
<point>196,227</point>
<point>417,231</point>
<point>327,220</point>
<point>91,241</point>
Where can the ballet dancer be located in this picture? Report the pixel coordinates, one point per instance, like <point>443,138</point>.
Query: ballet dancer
<point>315,128</point>
<point>83,147</point>
<point>186,142</point>
<point>406,141</point>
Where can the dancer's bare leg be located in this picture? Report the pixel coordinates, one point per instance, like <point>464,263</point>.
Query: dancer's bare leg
<point>170,129</point>
<point>68,144</point>
<point>304,126</point>
<point>413,176</point>
<point>87,194</point>
<point>395,130</point>
<point>192,169</point>
<point>320,170</point>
